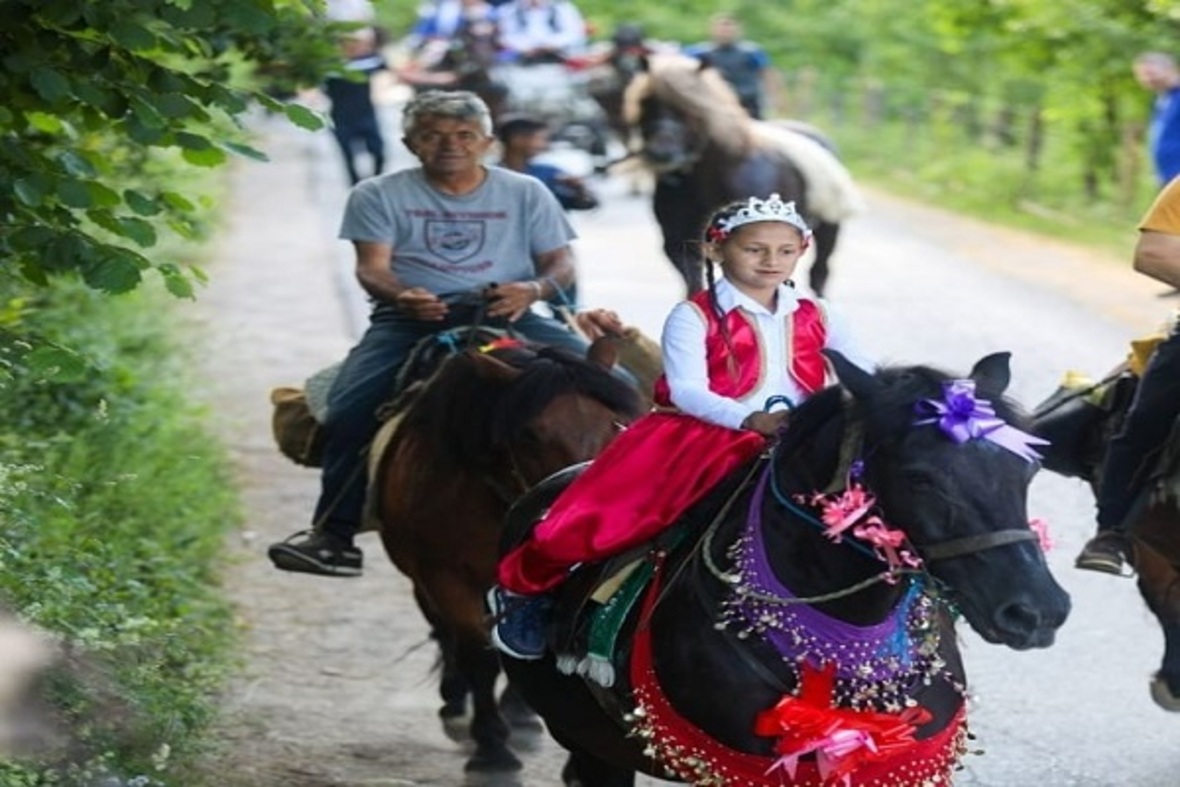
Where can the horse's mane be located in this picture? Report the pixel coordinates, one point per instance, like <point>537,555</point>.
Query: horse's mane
<point>891,412</point>
<point>471,416</point>
<point>699,92</point>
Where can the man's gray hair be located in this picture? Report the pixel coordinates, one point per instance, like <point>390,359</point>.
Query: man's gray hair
<point>458,104</point>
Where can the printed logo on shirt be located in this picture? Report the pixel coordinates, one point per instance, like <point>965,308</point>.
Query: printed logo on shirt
<point>454,241</point>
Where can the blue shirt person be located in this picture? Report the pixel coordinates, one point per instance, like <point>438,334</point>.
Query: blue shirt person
<point>1157,72</point>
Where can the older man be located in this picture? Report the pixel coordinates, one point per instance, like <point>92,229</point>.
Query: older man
<point>422,235</point>
<point>1157,72</point>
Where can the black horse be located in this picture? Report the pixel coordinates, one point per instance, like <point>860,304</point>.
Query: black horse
<point>707,151</point>
<point>1080,419</point>
<point>765,580</point>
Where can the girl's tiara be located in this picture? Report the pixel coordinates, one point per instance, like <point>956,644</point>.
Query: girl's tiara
<point>755,210</point>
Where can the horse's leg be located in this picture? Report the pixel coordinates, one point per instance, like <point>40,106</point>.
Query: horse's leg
<point>825,243</point>
<point>680,221</point>
<point>585,770</point>
<point>453,686</point>
<point>1165,686</point>
<point>1159,584</point>
<point>480,664</point>
<point>519,715</point>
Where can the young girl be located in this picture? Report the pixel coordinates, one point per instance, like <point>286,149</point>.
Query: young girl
<point>731,353</point>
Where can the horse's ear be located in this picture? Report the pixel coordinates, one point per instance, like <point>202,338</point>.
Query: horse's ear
<point>604,351</point>
<point>644,63</point>
<point>859,383</point>
<point>992,373</point>
<point>706,62</point>
<point>492,369</point>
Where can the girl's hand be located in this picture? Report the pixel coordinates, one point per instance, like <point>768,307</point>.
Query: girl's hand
<point>766,424</point>
<point>596,323</point>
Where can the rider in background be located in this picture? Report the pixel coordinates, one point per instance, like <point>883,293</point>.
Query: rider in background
<point>733,352</point>
<point>1156,405</point>
<point>448,226</point>
<point>354,117</point>
<point>522,139</point>
<point>744,64</point>
<point>541,31</point>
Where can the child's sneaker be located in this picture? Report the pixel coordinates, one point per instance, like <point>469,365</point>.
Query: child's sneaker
<point>520,623</point>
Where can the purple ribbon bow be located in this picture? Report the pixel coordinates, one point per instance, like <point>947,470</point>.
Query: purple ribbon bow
<point>962,417</point>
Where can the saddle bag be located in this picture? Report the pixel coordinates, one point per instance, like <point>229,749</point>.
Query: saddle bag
<point>296,430</point>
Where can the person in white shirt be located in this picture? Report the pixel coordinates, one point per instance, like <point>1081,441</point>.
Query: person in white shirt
<point>541,31</point>
<point>737,357</point>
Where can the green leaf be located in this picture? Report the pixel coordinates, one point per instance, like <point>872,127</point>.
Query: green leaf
<point>139,230</point>
<point>56,364</point>
<point>49,124</point>
<point>247,151</point>
<point>28,192</point>
<point>178,201</point>
<point>176,282</point>
<point>130,34</point>
<point>204,158</point>
<point>64,252</point>
<point>141,203</point>
<point>103,196</point>
<point>117,270</point>
<point>174,105</point>
<point>75,164</point>
<point>74,193</point>
<point>303,117</point>
<point>192,141</point>
<point>49,84</point>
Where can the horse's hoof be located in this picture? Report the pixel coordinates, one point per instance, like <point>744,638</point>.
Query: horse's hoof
<point>456,728</point>
<point>499,761</point>
<point>1163,696</point>
<point>525,724</point>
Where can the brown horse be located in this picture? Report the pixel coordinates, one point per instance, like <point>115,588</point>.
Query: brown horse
<point>705,151</point>
<point>1080,419</point>
<point>483,429</point>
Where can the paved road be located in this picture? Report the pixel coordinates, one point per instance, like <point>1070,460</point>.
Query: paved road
<point>918,285</point>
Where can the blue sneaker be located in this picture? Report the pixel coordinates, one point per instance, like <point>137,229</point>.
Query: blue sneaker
<point>520,623</point>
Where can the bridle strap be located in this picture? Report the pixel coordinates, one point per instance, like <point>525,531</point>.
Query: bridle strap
<point>969,545</point>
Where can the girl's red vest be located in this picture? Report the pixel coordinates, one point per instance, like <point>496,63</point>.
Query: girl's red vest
<point>735,357</point>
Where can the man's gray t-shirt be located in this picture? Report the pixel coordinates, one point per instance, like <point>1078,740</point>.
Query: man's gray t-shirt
<point>446,243</point>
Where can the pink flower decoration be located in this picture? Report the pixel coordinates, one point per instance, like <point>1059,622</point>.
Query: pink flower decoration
<point>849,511</point>
<point>1041,528</point>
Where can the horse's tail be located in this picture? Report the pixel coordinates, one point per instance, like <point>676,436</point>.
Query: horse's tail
<point>831,193</point>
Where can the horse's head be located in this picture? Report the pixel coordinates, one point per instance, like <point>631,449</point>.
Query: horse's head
<point>679,105</point>
<point>1077,420</point>
<point>950,466</point>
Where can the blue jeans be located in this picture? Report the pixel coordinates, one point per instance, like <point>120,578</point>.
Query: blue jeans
<point>366,381</point>
<point>1148,423</point>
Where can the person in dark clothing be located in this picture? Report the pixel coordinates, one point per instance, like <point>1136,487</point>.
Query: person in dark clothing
<point>354,118</point>
<point>1156,405</point>
<point>522,139</point>
<point>744,64</point>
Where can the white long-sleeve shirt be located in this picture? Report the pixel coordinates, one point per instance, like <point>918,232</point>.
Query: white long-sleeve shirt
<point>686,365</point>
<point>526,25</point>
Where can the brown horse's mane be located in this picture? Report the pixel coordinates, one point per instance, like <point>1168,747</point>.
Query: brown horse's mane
<point>699,92</point>
<point>471,414</point>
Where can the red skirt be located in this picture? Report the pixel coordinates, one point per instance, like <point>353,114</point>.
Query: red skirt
<point>640,484</point>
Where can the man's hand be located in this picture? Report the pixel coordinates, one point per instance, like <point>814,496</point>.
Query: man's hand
<point>766,424</point>
<point>420,304</point>
<point>596,323</point>
<point>513,299</point>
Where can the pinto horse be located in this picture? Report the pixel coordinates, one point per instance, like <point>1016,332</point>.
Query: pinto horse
<point>800,627</point>
<point>707,151</point>
<point>1079,419</point>
<point>484,428</point>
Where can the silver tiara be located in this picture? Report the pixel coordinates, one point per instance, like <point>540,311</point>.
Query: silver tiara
<point>773,209</point>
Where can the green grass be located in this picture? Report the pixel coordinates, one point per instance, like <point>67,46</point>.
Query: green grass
<point>114,501</point>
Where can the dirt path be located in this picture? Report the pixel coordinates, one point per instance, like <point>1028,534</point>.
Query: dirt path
<point>336,688</point>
